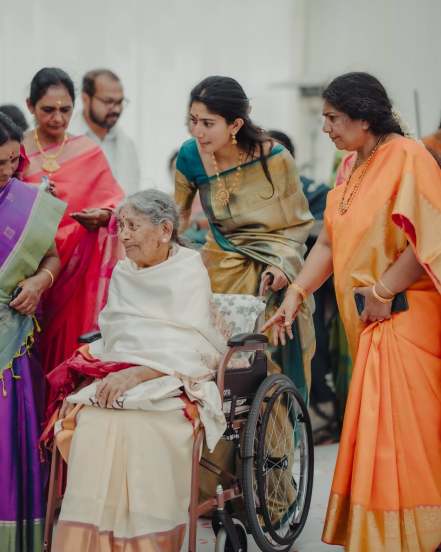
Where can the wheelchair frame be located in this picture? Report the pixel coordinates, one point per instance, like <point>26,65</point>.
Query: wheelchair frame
<point>237,344</point>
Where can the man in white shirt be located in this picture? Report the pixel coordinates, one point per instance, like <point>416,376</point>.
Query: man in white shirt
<point>103,103</point>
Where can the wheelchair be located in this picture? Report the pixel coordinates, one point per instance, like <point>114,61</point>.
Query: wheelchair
<point>269,427</point>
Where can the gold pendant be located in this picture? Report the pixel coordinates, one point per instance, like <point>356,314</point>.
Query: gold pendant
<point>222,196</point>
<point>50,165</point>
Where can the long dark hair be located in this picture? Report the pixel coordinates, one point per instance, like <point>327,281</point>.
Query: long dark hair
<point>9,130</point>
<point>362,97</point>
<point>47,77</point>
<point>16,115</point>
<point>224,96</point>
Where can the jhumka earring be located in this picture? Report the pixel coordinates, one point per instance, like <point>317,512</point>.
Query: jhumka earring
<point>233,140</point>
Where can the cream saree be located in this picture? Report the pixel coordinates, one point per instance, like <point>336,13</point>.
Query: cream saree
<point>128,486</point>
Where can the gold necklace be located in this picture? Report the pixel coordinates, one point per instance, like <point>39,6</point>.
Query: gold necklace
<point>50,163</point>
<point>223,192</point>
<point>346,202</point>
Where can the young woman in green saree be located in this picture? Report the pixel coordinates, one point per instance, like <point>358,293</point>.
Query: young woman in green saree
<point>258,216</point>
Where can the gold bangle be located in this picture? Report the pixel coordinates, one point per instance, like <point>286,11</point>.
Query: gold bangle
<point>386,289</point>
<point>50,274</point>
<point>299,290</point>
<point>379,298</point>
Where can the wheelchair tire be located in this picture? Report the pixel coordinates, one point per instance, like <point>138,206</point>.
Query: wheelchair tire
<point>277,531</point>
<point>223,543</point>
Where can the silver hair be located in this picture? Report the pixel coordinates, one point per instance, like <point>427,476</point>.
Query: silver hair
<point>157,206</point>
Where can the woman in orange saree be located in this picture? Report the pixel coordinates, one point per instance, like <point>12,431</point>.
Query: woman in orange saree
<point>382,239</point>
<point>79,175</point>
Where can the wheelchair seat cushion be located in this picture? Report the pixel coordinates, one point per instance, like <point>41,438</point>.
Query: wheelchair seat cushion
<point>235,314</point>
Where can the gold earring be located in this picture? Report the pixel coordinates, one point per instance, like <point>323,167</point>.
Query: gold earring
<point>233,140</point>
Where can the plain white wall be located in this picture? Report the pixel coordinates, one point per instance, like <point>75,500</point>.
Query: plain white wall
<point>399,41</point>
<point>160,50</point>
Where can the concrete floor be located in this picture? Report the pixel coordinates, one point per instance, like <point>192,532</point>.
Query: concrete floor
<point>309,540</point>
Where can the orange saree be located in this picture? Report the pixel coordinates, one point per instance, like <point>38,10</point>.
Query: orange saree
<point>72,305</point>
<point>386,492</point>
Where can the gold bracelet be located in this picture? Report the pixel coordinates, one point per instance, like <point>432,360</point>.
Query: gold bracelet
<point>299,290</point>
<point>50,274</point>
<point>384,286</point>
<point>379,298</point>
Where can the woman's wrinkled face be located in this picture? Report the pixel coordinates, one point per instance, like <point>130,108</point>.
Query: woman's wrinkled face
<point>346,133</point>
<point>53,112</point>
<point>9,159</point>
<point>210,130</point>
<point>145,243</point>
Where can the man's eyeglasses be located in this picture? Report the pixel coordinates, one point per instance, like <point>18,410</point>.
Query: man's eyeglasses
<point>109,103</point>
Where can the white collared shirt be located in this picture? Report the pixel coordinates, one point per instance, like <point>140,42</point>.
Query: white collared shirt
<point>119,150</point>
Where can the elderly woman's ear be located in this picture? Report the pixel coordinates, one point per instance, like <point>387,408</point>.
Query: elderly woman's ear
<point>166,231</point>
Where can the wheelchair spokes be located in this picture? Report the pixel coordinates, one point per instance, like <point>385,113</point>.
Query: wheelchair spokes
<point>277,468</point>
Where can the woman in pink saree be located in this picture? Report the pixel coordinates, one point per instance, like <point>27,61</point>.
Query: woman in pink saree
<point>78,174</point>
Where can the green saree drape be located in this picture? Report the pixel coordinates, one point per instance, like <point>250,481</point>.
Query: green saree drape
<point>264,224</point>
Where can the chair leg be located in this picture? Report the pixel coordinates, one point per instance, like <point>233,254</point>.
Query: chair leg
<point>194,497</point>
<point>51,500</point>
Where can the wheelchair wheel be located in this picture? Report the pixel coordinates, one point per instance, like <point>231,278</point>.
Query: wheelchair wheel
<point>277,465</point>
<point>223,543</point>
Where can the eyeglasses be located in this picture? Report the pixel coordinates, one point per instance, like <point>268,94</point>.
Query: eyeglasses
<point>108,102</point>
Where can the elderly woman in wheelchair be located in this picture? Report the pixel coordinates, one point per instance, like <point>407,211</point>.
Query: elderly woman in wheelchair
<point>139,395</point>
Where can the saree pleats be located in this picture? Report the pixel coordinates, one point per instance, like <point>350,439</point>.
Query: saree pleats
<point>133,492</point>
<point>22,471</point>
<point>386,492</point>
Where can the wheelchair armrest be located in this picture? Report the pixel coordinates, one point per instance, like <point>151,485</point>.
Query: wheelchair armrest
<point>89,337</point>
<point>245,339</point>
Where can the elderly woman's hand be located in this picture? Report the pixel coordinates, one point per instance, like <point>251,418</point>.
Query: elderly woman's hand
<point>374,310</point>
<point>92,219</point>
<point>117,383</point>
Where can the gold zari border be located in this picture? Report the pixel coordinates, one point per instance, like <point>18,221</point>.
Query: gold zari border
<point>359,530</point>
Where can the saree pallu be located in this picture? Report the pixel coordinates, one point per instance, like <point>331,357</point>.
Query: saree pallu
<point>386,492</point>
<point>28,222</point>
<point>341,361</point>
<point>72,305</point>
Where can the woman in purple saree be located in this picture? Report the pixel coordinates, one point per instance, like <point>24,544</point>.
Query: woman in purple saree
<point>28,266</point>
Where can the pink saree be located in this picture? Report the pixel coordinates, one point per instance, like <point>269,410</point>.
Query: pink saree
<point>72,305</point>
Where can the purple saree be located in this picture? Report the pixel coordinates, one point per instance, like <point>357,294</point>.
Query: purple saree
<point>28,222</point>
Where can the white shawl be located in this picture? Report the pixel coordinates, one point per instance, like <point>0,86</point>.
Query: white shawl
<point>160,317</point>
